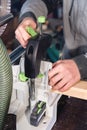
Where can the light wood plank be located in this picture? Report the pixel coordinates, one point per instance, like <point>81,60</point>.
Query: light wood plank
<point>79,90</point>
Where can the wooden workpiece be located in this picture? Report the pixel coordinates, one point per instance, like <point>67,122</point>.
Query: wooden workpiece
<point>79,90</point>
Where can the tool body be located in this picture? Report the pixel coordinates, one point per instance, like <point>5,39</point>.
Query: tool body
<point>35,52</point>
<point>28,107</point>
<point>36,49</point>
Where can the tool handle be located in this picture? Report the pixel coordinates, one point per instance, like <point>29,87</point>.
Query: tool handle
<point>31,31</point>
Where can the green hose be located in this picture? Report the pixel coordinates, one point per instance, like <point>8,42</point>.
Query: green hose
<point>6,82</point>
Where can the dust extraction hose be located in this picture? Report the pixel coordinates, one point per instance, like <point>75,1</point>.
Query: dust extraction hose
<point>6,82</point>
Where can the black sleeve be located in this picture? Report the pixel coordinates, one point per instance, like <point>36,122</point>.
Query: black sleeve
<point>28,14</point>
<point>81,62</point>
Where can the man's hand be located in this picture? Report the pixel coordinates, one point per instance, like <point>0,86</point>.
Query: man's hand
<point>63,75</point>
<point>21,34</point>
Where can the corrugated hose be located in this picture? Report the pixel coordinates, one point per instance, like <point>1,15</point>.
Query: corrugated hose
<point>6,82</point>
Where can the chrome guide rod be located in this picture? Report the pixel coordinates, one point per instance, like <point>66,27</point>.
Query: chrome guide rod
<point>16,54</point>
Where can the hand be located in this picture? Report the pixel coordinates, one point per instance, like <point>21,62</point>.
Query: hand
<point>21,34</point>
<point>63,75</point>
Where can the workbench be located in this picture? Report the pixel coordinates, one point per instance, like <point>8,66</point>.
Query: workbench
<point>72,114</point>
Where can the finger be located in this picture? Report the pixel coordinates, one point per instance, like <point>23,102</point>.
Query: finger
<point>61,84</point>
<point>56,70</point>
<point>20,39</point>
<point>24,34</point>
<point>67,86</point>
<point>53,72</point>
<point>54,80</point>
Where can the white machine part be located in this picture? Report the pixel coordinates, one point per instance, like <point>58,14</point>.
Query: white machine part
<point>20,99</point>
<point>5,8</point>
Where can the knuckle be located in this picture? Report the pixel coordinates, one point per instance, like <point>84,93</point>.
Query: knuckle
<point>52,81</point>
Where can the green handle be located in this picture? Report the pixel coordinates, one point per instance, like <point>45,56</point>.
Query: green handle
<point>31,31</point>
<point>41,19</point>
<point>22,77</point>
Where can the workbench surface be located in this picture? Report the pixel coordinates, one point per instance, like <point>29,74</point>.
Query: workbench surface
<point>72,115</point>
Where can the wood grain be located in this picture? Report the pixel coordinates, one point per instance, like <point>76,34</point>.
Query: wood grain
<point>79,90</point>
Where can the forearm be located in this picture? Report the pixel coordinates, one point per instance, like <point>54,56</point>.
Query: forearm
<point>36,8</point>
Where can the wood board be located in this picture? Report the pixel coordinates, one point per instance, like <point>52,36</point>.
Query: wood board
<point>79,90</point>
